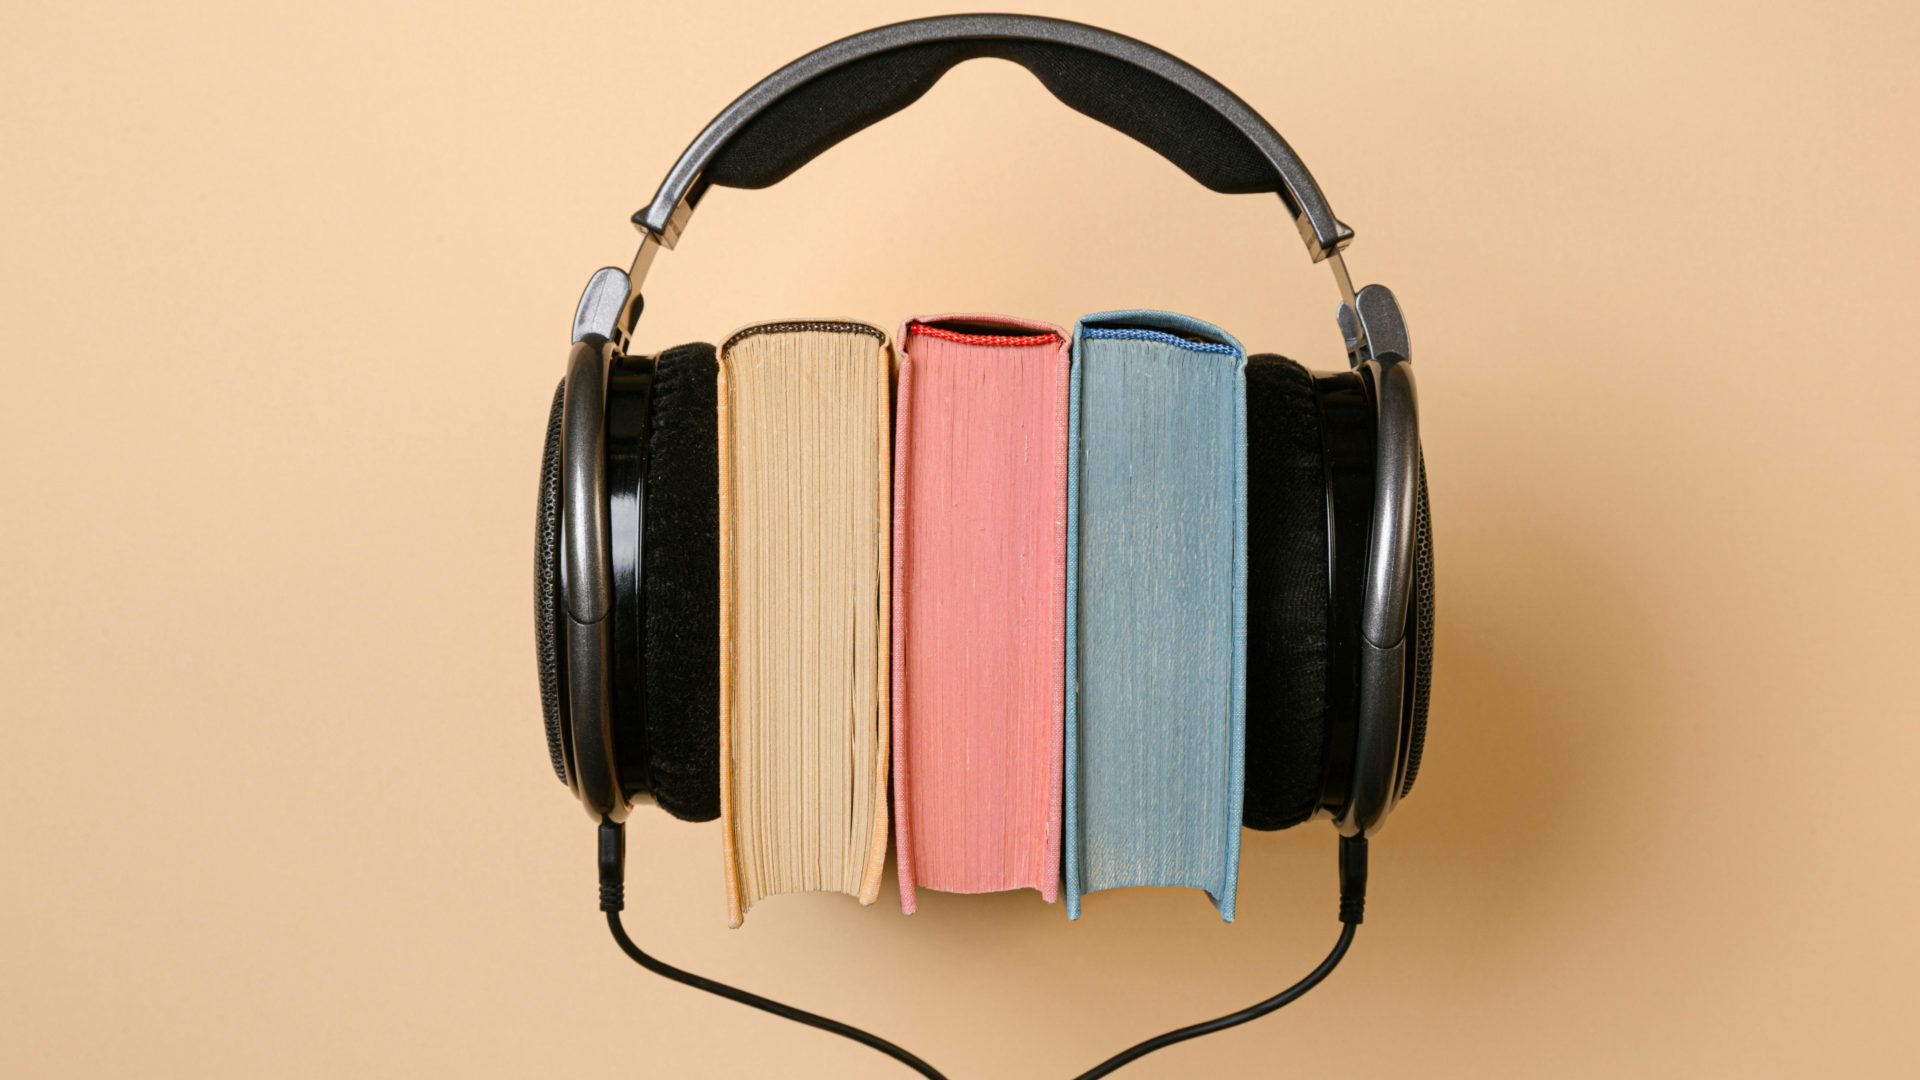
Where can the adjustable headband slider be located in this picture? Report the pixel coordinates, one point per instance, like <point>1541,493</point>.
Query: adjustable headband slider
<point>1325,239</point>
<point>668,231</point>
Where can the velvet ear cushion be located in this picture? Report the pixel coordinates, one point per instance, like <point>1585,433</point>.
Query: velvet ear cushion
<point>681,581</point>
<point>1287,595</point>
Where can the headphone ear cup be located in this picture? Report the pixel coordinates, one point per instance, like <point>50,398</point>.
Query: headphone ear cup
<point>1288,595</point>
<point>546,591</point>
<point>681,583</point>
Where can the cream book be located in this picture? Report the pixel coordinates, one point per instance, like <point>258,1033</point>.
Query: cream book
<point>805,521</point>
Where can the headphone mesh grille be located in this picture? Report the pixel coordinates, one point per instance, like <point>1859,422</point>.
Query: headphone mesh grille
<point>546,583</point>
<point>1423,615</point>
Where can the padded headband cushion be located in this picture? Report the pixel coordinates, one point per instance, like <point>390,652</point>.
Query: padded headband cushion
<point>681,579</point>
<point>546,583</point>
<point>1183,128</point>
<point>1287,595</point>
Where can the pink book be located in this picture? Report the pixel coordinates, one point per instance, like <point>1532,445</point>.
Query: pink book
<point>979,604</point>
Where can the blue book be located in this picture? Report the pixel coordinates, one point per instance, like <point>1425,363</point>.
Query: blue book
<point>1156,606</point>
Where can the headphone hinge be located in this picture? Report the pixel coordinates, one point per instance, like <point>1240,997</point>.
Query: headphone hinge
<point>611,303</point>
<point>1370,320</point>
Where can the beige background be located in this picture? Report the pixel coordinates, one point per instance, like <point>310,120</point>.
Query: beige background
<point>285,294</point>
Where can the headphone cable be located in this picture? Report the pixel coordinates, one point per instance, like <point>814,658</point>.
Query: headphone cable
<point>1353,906</point>
<point>613,857</point>
<point>1353,902</point>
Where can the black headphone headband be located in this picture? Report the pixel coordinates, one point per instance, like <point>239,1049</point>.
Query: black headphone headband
<point>800,111</point>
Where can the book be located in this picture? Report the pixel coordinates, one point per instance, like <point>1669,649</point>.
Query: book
<point>1156,606</point>
<point>979,604</point>
<point>805,441</point>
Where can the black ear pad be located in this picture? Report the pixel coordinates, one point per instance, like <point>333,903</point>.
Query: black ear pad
<point>1288,595</point>
<point>681,561</point>
<point>546,591</point>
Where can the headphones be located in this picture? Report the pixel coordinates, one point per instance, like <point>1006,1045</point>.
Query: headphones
<point>1340,564</point>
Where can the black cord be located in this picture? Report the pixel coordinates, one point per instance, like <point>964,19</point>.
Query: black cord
<point>1208,1027</point>
<point>612,899</point>
<point>1353,902</point>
